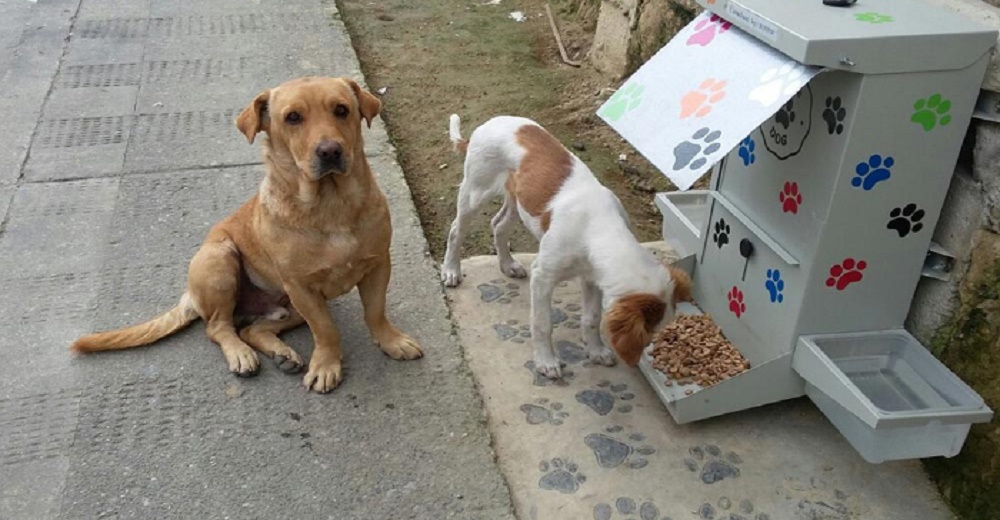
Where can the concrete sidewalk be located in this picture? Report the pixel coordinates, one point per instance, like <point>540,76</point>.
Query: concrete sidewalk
<point>117,154</point>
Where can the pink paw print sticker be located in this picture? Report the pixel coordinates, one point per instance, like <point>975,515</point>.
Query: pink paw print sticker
<point>706,30</point>
<point>790,198</point>
<point>846,273</point>
<point>736,304</point>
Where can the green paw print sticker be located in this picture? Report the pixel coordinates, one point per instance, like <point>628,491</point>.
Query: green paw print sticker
<point>873,17</point>
<point>931,112</point>
<point>625,100</point>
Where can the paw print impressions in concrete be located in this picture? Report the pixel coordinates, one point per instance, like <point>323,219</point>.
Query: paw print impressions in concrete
<point>695,152</point>
<point>614,448</point>
<point>834,115</point>
<point>498,291</point>
<point>606,397</point>
<point>543,411</point>
<point>722,231</point>
<point>699,102</point>
<point>845,273</point>
<point>931,112</point>
<point>711,465</point>
<point>560,475</point>
<point>870,173</point>
<point>775,286</point>
<point>726,509</point>
<point>627,508</point>
<point>512,331</point>
<point>746,151</point>
<point>625,99</point>
<point>906,220</point>
<point>873,17</point>
<point>778,81</point>
<point>569,353</point>
<point>736,304</point>
<point>568,318</point>
<point>790,198</point>
<point>706,30</point>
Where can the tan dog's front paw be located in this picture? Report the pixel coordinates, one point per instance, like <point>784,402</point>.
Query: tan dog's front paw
<point>401,346</point>
<point>242,361</point>
<point>322,377</point>
<point>288,360</point>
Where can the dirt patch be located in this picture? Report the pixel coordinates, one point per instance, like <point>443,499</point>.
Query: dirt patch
<point>473,59</point>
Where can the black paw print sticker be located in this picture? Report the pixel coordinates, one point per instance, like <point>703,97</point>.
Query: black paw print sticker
<point>721,235</point>
<point>786,114</point>
<point>544,412</point>
<point>559,475</point>
<point>834,115</point>
<point>603,398</point>
<point>906,220</point>
<point>613,448</point>
<point>727,509</point>
<point>711,465</point>
<point>627,508</point>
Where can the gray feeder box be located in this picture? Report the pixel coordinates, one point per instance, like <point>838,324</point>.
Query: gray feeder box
<point>808,246</point>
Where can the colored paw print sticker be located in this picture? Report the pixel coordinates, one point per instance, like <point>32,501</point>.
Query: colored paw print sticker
<point>707,29</point>
<point>775,286</point>
<point>722,231</point>
<point>873,18</point>
<point>845,273</point>
<point>623,101</point>
<point>790,198</point>
<point>906,220</point>
<point>931,112</point>
<point>694,152</point>
<point>834,115</point>
<point>699,101</point>
<point>736,304</point>
<point>775,82</point>
<point>747,147</point>
<point>873,171</point>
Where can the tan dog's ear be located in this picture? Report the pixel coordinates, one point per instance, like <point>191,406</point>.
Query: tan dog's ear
<point>254,118</point>
<point>368,104</point>
<point>630,323</point>
<point>682,285</point>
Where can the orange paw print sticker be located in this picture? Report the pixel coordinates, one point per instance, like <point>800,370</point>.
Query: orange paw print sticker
<point>699,102</point>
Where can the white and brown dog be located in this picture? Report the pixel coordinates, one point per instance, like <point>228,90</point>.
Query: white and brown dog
<point>583,232</point>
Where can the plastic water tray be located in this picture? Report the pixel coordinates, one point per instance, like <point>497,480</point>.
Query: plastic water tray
<point>888,395</point>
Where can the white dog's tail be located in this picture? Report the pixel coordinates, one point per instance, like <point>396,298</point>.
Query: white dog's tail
<point>458,143</point>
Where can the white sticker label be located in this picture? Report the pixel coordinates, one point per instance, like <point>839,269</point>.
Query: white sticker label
<point>756,23</point>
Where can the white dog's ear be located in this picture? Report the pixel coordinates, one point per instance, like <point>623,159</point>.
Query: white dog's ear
<point>368,104</point>
<point>631,321</point>
<point>254,118</point>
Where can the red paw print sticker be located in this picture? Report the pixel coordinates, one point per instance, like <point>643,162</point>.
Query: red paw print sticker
<point>790,198</point>
<point>846,273</point>
<point>736,304</point>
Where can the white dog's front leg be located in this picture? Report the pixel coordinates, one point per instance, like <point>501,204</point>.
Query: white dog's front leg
<point>542,285</point>
<point>596,350</point>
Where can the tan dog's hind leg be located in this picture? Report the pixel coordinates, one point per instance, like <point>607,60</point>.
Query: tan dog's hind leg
<point>392,341</point>
<point>263,336</point>
<point>324,372</point>
<point>214,284</point>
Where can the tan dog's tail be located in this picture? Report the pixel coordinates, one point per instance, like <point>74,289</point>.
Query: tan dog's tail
<point>458,143</point>
<point>142,334</point>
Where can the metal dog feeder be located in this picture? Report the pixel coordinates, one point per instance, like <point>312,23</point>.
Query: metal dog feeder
<point>808,246</point>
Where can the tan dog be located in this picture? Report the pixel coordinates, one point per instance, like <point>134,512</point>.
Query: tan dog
<point>318,227</point>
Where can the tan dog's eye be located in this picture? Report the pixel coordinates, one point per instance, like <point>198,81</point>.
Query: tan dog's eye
<point>341,111</point>
<point>293,118</point>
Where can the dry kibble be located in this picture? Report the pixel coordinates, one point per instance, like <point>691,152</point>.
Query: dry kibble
<point>693,349</point>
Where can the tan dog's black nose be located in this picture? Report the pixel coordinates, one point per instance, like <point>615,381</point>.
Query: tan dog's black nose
<point>329,152</point>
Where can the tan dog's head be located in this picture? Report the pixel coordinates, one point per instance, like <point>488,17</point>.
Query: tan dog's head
<point>315,122</point>
<point>633,318</point>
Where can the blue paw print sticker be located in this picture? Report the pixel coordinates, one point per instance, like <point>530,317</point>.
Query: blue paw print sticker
<point>747,147</point>
<point>775,286</point>
<point>873,171</point>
